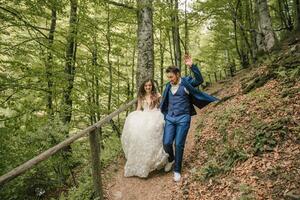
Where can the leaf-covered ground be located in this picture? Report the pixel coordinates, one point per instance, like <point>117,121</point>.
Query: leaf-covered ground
<point>247,146</point>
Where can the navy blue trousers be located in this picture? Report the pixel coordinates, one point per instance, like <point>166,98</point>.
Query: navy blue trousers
<point>176,128</point>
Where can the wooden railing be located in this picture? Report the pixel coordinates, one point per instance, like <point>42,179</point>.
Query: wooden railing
<point>92,131</point>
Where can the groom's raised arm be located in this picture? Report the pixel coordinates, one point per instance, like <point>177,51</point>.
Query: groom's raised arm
<point>198,79</point>
<point>198,76</point>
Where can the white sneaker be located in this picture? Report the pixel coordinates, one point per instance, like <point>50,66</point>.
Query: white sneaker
<point>177,176</point>
<point>168,166</point>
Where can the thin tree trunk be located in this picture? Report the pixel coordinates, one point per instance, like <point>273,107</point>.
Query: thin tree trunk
<point>234,20</point>
<point>288,16</point>
<point>49,64</point>
<point>175,33</point>
<point>284,14</point>
<point>281,13</point>
<point>170,47</point>
<point>161,52</point>
<point>253,32</point>
<point>70,63</point>
<point>69,72</point>
<point>109,61</point>
<point>95,62</point>
<point>133,72</point>
<point>128,89</point>
<point>93,92</point>
<point>243,37</point>
<point>297,15</point>
<point>216,78</point>
<point>186,31</point>
<point>248,19</point>
<point>96,80</point>
<point>145,62</point>
<point>118,88</point>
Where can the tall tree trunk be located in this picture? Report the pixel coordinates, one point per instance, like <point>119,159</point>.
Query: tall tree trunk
<point>244,43</point>
<point>186,31</point>
<point>49,77</point>
<point>145,61</point>
<point>267,38</point>
<point>175,33</point>
<point>284,14</point>
<point>118,88</point>
<point>249,20</point>
<point>70,63</point>
<point>133,71</point>
<point>170,46</point>
<point>236,38</point>
<point>93,91</point>
<point>297,15</point>
<point>69,72</point>
<point>128,84</point>
<point>49,63</point>
<point>253,33</point>
<point>162,45</point>
<point>89,94</point>
<point>109,61</point>
<point>96,79</point>
<point>234,20</point>
<point>288,16</point>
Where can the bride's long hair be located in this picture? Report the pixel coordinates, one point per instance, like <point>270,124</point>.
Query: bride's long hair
<point>154,97</point>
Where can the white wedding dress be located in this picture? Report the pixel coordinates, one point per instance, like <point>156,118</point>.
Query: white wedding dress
<point>142,141</point>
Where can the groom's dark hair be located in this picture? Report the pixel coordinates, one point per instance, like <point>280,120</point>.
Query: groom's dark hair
<point>173,69</point>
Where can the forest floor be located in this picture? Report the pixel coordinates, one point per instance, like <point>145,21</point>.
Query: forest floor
<point>159,184</point>
<point>245,147</point>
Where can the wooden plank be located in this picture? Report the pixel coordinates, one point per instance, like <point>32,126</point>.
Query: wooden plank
<point>46,154</point>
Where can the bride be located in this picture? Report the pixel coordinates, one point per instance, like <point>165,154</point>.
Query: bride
<point>142,134</point>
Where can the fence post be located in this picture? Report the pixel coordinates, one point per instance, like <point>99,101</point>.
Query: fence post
<point>96,162</point>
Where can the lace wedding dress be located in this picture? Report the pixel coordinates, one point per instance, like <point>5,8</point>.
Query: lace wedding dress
<point>142,141</point>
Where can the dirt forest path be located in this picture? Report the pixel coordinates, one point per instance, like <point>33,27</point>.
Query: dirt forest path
<point>158,186</point>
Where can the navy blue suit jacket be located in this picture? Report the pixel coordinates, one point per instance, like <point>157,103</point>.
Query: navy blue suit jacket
<point>197,98</point>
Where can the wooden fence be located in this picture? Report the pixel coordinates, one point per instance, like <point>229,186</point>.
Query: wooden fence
<point>93,133</point>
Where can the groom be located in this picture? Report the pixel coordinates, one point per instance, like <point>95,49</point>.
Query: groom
<point>177,106</point>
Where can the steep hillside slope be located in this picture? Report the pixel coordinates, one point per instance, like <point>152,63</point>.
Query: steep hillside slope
<point>248,144</point>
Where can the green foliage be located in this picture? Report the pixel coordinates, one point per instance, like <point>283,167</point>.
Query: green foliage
<point>288,74</point>
<point>232,156</point>
<point>246,192</point>
<point>268,135</point>
<point>84,188</point>
<point>210,170</point>
<point>112,150</point>
<point>26,71</point>
<point>220,162</point>
<point>226,117</point>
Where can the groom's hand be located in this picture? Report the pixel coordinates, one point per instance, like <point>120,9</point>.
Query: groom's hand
<point>188,60</point>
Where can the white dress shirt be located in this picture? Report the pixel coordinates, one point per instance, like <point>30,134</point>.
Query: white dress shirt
<point>174,88</point>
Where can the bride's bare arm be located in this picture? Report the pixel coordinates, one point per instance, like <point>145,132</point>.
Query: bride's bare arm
<point>139,105</point>
<point>158,95</point>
